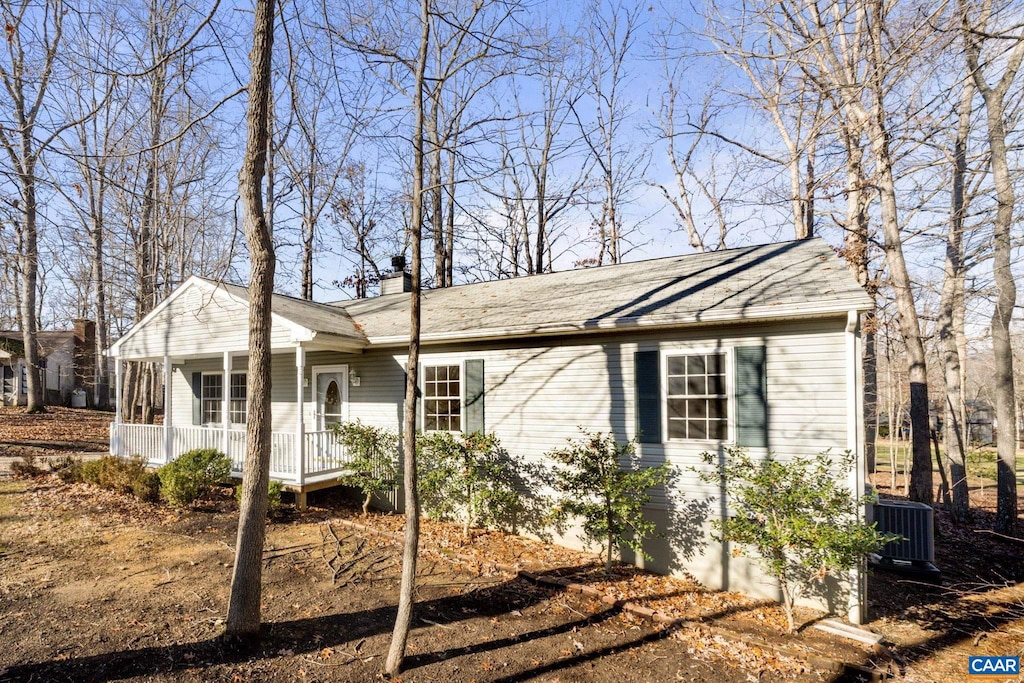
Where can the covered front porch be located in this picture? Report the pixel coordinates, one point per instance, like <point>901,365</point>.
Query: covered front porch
<point>297,459</point>
<point>199,336</point>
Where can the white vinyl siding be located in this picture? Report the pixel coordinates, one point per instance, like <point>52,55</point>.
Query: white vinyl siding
<point>199,321</point>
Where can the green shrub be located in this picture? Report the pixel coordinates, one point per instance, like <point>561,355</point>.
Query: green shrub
<point>67,468</point>
<point>274,490</point>
<point>114,473</point>
<point>91,472</point>
<point>147,487</point>
<point>124,475</point>
<point>798,519</point>
<point>601,482</point>
<point>186,479</point>
<point>372,456</point>
<point>120,474</point>
<point>465,476</point>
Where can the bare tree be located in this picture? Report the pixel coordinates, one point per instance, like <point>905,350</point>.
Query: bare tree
<point>780,91</point>
<point>951,313</point>
<point>94,145</point>
<point>406,598</point>
<point>327,106</point>
<point>540,179</point>
<point>364,214</point>
<point>693,185</point>
<point>1008,54</point>
<point>246,577</point>
<point>35,37</point>
<point>619,164</point>
<point>844,50</point>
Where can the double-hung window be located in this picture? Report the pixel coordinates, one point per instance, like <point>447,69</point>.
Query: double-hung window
<point>696,396</point>
<point>238,398</point>
<point>442,398</point>
<point>213,398</point>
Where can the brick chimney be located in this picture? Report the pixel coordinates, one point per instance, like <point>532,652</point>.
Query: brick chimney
<point>397,281</point>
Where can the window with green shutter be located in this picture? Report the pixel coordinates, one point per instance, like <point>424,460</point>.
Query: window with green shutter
<point>696,397</point>
<point>751,397</point>
<point>452,396</point>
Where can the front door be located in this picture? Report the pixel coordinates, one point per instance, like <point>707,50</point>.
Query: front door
<point>331,395</point>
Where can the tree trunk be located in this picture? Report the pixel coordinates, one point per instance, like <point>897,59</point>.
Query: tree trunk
<point>30,278</point>
<point>910,327</point>
<point>434,191</point>
<point>246,578</point>
<point>1002,314</point>
<point>1006,287</point>
<point>449,216</point>
<point>403,618</point>
<point>101,392</point>
<point>949,302</point>
<point>857,261</point>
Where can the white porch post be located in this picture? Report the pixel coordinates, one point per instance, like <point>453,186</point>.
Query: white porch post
<point>115,442</point>
<point>168,413</point>
<point>225,404</point>
<point>300,428</point>
<point>855,443</point>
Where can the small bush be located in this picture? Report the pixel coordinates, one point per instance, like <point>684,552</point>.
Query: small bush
<point>373,458</point>
<point>147,487</point>
<point>193,474</point>
<point>603,483</point>
<point>798,518</point>
<point>26,467</point>
<point>67,468</point>
<point>124,475</point>
<point>114,473</point>
<point>274,489</point>
<point>467,477</point>
<point>91,472</point>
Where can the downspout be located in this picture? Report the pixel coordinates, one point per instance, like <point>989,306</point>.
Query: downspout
<point>855,444</point>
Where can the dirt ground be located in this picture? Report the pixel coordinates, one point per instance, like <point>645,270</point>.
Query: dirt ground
<point>977,606</point>
<point>96,587</point>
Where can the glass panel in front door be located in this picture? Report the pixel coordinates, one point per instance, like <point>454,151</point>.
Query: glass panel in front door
<point>330,395</point>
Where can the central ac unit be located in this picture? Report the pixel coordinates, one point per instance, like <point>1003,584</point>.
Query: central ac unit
<point>915,523</point>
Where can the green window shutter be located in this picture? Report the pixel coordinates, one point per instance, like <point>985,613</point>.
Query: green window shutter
<point>751,397</point>
<point>474,392</point>
<point>197,398</point>
<point>648,396</point>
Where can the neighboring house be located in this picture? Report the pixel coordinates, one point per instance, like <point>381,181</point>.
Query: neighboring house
<point>980,422</point>
<point>67,361</point>
<point>756,347</point>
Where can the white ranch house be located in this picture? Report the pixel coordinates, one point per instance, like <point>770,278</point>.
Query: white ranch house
<point>757,347</point>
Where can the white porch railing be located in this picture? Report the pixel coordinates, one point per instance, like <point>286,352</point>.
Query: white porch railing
<point>325,458</point>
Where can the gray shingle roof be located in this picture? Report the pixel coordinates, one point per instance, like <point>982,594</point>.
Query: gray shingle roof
<point>320,318</point>
<point>799,278</point>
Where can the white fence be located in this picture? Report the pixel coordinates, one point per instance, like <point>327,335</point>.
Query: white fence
<point>324,458</point>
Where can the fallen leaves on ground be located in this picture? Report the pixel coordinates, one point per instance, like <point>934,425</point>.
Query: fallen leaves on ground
<point>58,430</point>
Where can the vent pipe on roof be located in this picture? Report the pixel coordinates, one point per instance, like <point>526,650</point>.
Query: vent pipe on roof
<point>398,281</point>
